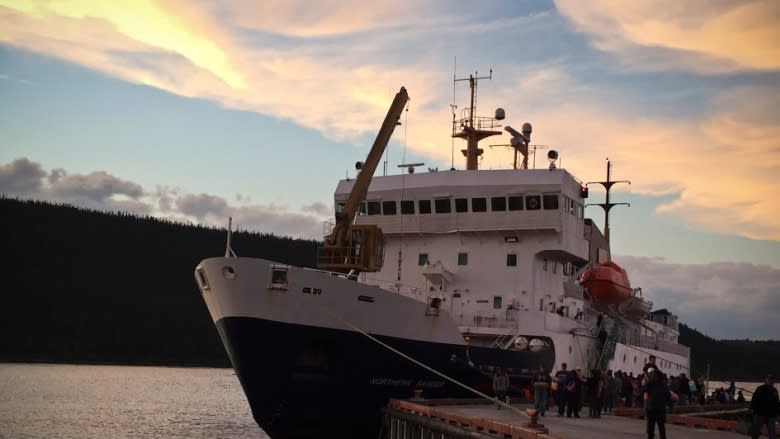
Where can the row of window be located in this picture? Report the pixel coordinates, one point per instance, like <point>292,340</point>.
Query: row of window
<point>511,261</point>
<point>462,205</point>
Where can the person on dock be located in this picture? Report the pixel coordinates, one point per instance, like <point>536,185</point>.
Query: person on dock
<point>650,364</point>
<point>541,383</point>
<point>740,397</point>
<point>609,392</point>
<point>500,385</point>
<point>560,388</point>
<point>595,391</point>
<point>765,406</point>
<point>731,392</point>
<point>656,394</point>
<point>684,389</point>
<point>573,390</point>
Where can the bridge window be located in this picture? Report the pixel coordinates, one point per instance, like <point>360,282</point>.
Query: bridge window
<point>533,202</point>
<point>422,259</point>
<point>388,207</point>
<point>424,206</point>
<point>550,202</point>
<point>479,205</point>
<point>362,209</point>
<point>497,302</point>
<point>516,202</point>
<point>463,259</point>
<point>511,260</point>
<point>442,205</point>
<point>407,207</point>
<point>498,204</point>
<point>461,205</point>
<point>374,208</point>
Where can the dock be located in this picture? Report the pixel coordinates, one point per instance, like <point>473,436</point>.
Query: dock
<point>476,419</point>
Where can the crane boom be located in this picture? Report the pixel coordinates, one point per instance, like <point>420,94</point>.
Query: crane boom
<point>360,247</point>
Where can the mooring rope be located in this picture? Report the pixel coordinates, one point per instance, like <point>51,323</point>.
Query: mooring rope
<point>417,362</point>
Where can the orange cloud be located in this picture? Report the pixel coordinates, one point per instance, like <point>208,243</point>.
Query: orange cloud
<point>145,22</point>
<point>709,35</point>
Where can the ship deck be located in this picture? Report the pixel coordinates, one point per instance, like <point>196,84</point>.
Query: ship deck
<point>485,421</point>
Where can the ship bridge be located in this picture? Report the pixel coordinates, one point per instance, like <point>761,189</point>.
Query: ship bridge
<point>449,202</point>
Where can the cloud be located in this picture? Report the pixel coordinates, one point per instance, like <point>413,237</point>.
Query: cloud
<point>21,177</point>
<point>99,190</point>
<point>96,186</point>
<point>724,299</point>
<point>287,59</point>
<point>699,35</point>
<point>321,209</point>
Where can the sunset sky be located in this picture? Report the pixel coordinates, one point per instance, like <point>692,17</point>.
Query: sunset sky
<point>198,110</point>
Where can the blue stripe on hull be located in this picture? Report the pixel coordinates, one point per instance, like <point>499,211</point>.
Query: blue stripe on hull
<point>305,382</point>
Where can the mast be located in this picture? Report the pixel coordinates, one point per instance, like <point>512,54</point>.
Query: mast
<point>474,128</point>
<point>606,205</point>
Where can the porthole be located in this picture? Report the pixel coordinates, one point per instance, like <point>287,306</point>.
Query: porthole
<point>228,272</point>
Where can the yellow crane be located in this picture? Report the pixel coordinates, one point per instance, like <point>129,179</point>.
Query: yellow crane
<point>360,247</point>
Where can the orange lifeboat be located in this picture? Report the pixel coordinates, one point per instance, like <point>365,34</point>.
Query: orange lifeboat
<point>606,283</point>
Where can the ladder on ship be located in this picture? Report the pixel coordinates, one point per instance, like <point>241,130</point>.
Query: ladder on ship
<point>608,349</point>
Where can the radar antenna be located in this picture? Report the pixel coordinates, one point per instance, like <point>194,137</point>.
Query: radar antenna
<point>473,128</point>
<point>606,205</point>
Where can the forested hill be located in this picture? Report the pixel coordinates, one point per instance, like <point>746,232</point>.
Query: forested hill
<point>86,286</point>
<point>741,360</point>
<point>93,287</point>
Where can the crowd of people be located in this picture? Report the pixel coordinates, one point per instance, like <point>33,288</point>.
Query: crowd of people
<point>602,391</point>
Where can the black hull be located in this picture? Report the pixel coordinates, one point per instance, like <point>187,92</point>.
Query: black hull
<point>308,382</point>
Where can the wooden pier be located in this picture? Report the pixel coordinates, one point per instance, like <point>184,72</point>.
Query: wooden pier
<point>476,419</point>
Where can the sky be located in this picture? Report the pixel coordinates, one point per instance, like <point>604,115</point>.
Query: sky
<point>198,110</point>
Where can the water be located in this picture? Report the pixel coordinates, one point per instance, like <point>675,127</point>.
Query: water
<point>69,401</point>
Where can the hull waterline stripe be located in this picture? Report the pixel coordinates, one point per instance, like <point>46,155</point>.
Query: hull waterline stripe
<point>419,363</point>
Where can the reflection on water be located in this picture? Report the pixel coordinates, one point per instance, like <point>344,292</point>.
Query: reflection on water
<point>67,401</point>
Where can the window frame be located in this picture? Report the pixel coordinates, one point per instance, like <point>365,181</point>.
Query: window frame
<point>424,207</point>
<point>437,202</point>
<point>498,204</point>
<point>480,206</point>
<point>514,198</point>
<point>394,209</point>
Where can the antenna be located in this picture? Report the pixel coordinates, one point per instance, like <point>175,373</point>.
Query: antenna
<point>453,107</point>
<point>474,128</point>
<point>606,205</point>
<point>410,166</point>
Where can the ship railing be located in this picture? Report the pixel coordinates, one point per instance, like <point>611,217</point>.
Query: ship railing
<point>327,226</point>
<point>397,287</point>
<point>481,123</point>
<point>485,321</point>
<point>648,341</point>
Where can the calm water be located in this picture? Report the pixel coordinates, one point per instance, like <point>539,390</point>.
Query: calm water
<point>65,401</point>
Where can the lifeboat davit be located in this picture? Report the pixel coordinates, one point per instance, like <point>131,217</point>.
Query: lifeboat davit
<point>606,283</point>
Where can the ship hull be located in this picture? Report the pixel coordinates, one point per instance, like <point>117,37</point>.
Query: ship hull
<point>303,381</point>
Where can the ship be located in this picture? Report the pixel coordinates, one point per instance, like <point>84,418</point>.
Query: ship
<point>426,283</point>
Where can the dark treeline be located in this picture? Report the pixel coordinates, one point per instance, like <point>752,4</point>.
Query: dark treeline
<point>740,360</point>
<point>94,287</point>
